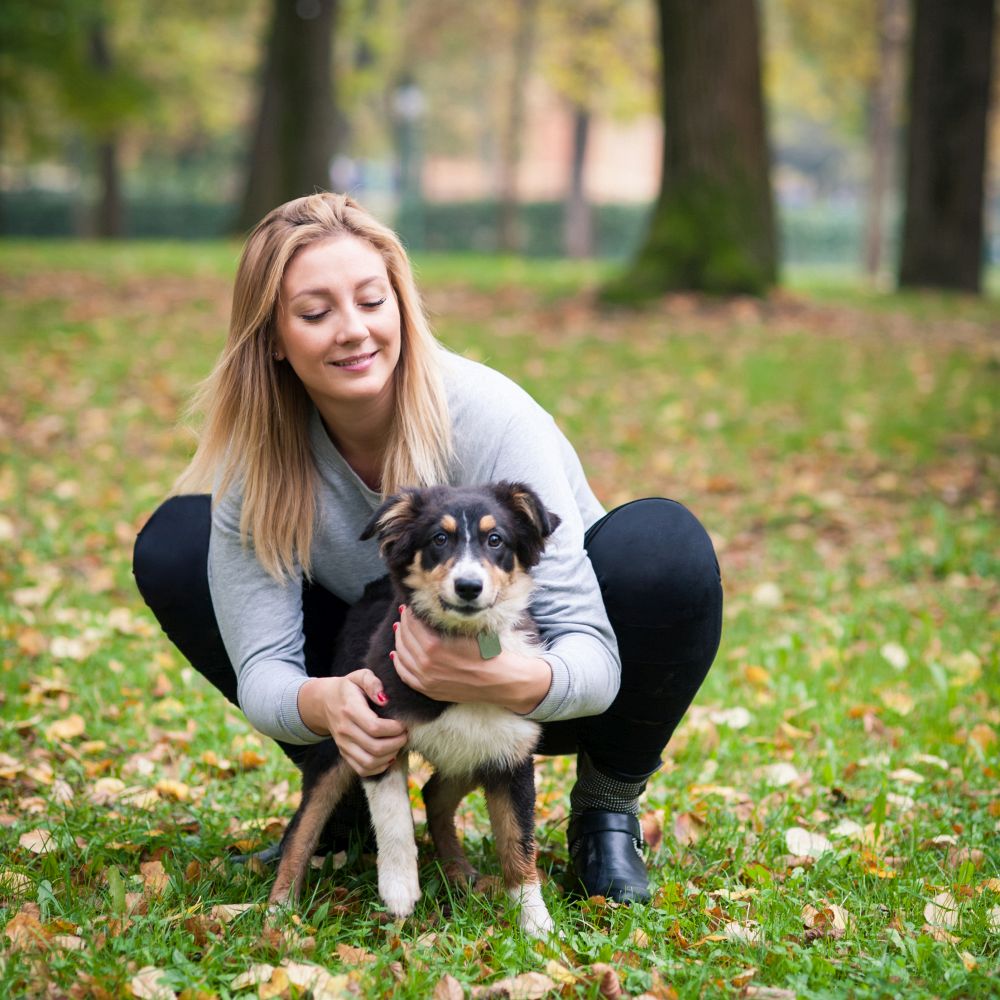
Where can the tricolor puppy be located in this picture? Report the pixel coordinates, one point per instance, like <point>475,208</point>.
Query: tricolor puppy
<point>459,558</point>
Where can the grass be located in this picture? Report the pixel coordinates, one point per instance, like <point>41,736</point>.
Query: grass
<point>839,444</point>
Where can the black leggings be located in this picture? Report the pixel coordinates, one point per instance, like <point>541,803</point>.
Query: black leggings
<point>659,578</point>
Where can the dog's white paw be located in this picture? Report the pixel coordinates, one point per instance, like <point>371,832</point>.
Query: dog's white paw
<point>533,917</point>
<point>399,893</point>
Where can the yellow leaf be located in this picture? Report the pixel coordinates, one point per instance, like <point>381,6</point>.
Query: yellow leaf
<point>559,973</point>
<point>250,759</point>
<point>259,973</point>
<point>757,675</point>
<point>66,729</point>
<point>171,789</point>
<point>154,877</point>
<point>983,735</point>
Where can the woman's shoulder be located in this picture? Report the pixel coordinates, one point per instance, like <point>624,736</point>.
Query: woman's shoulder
<point>475,389</point>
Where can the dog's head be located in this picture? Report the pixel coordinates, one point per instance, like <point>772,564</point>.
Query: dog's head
<point>463,553</point>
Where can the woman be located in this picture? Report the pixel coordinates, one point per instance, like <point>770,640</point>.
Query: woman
<point>331,393</point>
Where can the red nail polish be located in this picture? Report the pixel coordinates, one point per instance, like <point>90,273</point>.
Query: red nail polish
<point>395,626</point>
<point>381,698</point>
<point>401,607</point>
<point>392,656</point>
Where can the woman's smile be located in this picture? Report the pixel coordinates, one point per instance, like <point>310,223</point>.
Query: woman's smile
<point>357,363</point>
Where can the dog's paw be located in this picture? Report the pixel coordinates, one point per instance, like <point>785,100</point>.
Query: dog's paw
<point>533,916</point>
<point>400,894</point>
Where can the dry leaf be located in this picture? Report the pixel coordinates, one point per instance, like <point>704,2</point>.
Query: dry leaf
<point>354,956</point>
<point>562,975</point>
<point>803,843</point>
<point>942,911</point>
<point>175,790</point>
<point>527,986</point>
<point>687,828</point>
<point>906,774</point>
<point>26,931</point>
<point>259,973</point>
<point>38,841</point>
<point>154,877</point>
<point>150,983</point>
<point>748,933</point>
<point>66,729</point>
<point>781,774</point>
<point>225,912</point>
<point>448,988</point>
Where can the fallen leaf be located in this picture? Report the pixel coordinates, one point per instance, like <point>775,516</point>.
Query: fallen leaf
<point>25,930</point>
<point>66,729</point>
<point>448,988</point>
<point>154,877</point>
<point>942,911</point>
<point>225,912</point>
<point>802,842</point>
<point>150,983</point>
<point>175,790</point>
<point>748,933</point>
<point>259,973</point>
<point>38,841</point>
<point>907,775</point>
<point>781,774</point>
<point>895,656</point>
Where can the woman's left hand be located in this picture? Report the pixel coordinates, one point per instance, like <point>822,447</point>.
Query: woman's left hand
<point>451,668</point>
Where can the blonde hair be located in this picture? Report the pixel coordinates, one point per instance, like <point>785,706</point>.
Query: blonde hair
<point>256,412</point>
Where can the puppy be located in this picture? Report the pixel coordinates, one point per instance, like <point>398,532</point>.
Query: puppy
<point>459,558</point>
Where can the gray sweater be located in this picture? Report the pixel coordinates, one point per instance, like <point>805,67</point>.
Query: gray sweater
<point>499,432</point>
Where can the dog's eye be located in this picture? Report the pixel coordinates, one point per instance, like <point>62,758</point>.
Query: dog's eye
<point>439,539</point>
<point>493,540</point>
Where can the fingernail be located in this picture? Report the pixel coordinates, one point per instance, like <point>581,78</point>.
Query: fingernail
<point>401,607</point>
<point>392,656</point>
<point>381,698</point>
<point>395,626</point>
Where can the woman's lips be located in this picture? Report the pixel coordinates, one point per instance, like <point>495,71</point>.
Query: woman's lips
<point>357,363</point>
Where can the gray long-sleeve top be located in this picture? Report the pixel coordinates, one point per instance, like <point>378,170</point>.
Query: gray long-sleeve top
<point>499,432</point>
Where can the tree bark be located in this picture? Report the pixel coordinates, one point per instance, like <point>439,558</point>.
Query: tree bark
<point>109,217</point>
<point>946,144</point>
<point>884,103</point>
<point>713,225</point>
<point>508,236</point>
<point>579,232</point>
<point>293,136</point>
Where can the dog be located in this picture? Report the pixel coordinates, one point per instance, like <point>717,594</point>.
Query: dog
<point>459,558</point>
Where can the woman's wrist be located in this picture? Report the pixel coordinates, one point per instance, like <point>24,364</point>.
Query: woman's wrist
<point>312,704</point>
<point>531,678</point>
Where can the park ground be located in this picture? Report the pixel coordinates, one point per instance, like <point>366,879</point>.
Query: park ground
<point>826,819</point>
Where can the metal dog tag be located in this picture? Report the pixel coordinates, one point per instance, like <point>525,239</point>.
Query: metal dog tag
<point>489,645</point>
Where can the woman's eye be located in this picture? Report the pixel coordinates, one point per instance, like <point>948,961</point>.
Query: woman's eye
<point>439,539</point>
<point>373,305</point>
<point>314,317</point>
<point>494,541</point>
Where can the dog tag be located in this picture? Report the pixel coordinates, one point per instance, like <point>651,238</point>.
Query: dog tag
<point>489,645</point>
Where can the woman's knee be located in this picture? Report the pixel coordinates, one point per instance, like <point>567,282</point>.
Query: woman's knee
<point>655,561</point>
<point>170,557</point>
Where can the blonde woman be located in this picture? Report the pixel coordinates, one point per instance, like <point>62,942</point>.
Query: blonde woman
<point>330,394</point>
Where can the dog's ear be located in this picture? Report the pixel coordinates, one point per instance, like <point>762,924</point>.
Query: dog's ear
<point>389,522</point>
<point>535,520</point>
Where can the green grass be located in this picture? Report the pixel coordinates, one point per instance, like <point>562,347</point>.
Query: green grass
<point>839,444</point>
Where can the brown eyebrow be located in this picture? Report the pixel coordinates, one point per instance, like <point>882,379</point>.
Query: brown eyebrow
<point>325,292</point>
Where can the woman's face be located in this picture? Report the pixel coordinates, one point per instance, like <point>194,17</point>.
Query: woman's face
<point>338,326</point>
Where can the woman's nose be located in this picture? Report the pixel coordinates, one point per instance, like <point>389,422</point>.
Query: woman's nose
<point>351,327</point>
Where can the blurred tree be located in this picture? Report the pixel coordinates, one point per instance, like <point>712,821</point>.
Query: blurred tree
<point>523,44</point>
<point>713,225</point>
<point>952,61</point>
<point>597,55</point>
<point>294,132</point>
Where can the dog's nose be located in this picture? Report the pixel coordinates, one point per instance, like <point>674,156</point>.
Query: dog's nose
<point>468,588</point>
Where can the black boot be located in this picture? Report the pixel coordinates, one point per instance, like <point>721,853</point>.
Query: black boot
<point>606,855</point>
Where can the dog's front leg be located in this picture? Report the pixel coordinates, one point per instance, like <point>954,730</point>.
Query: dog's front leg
<point>389,804</point>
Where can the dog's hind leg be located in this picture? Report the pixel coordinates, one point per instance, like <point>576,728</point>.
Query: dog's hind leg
<point>303,833</point>
<point>441,797</point>
<point>389,805</point>
<point>510,798</point>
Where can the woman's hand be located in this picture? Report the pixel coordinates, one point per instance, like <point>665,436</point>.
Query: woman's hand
<point>451,668</point>
<point>338,707</point>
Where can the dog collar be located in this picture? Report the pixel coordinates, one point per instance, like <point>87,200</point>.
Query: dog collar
<point>489,645</point>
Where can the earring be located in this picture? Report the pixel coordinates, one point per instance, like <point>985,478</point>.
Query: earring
<point>275,356</point>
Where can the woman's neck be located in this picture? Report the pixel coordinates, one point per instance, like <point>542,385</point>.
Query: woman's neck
<point>361,436</point>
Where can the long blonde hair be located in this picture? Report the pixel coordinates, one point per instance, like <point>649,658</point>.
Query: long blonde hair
<point>256,412</point>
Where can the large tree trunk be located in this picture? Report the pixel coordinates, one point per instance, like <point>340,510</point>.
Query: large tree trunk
<point>293,139</point>
<point>882,122</point>
<point>109,216</point>
<point>508,236</point>
<point>713,225</point>
<point>579,230</point>
<point>946,144</point>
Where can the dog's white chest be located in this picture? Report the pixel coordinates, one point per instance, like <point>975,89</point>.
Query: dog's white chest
<point>464,738</point>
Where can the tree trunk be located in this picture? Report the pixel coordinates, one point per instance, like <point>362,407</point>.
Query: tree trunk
<point>713,225</point>
<point>109,217</point>
<point>293,137</point>
<point>508,236</point>
<point>884,113</point>
<point>946,144</point>
<point>579,235</point>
